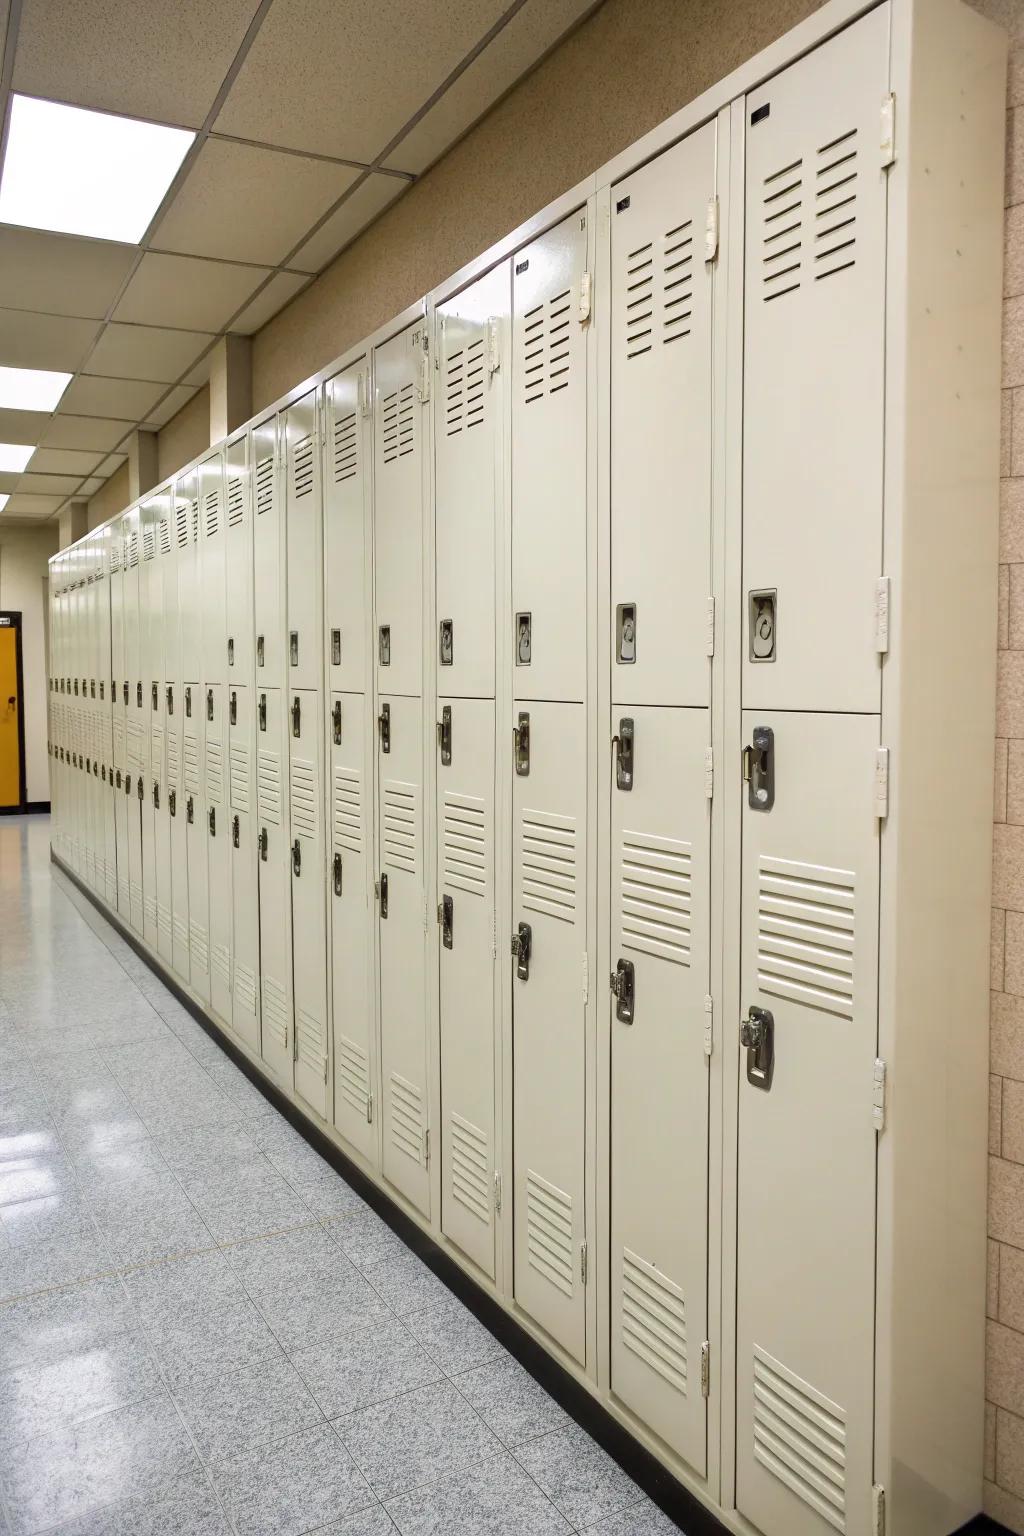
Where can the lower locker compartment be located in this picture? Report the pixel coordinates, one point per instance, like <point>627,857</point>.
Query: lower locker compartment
<point>309,903</point>
<point>275,903</point>
<point>245,1013</point>
<point>218,851</point>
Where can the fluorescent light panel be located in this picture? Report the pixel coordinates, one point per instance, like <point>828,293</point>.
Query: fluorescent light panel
<point>86,173</point>
<point>14,457</point>
<point>31,389</point>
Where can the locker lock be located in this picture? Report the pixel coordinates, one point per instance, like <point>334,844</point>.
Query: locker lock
<point>155,696</point>
<point>446,642</point>
<point>336,718</point>
<point>384,645</point>
<point>172,802</point>
<point>382,895</point>
<point>235,831</point>
<point>623,744</point>
<point>124,694</point>
<point>209,703</point>
<point>521,732</point>
<point>259,651</point>
<point>233,708</point>
<point>444,735</point>
<point>188,703</point>
<point>263,844</point>
<point>446,918</point>
<point>623,985</point>
<point>138,695</point>
<point>141,788</point>
<point>296,857</point>
<point>757,1037</point>
<point>156,795</point>
<point>337,874</point>
<point>384,726</point>
<point>759,769</point>
<point>296,716</point>
<point>263,712</point>
<point>335,647</point>
<point>212,819</point>
<point>190,810</point>
<point>170,699</point>
<point>522,948</point>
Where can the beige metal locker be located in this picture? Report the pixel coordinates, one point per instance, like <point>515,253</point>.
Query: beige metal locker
<point>174,700</point>
<point>304,537</point>
<point>551,307</point>
<point>119,711</point>
<point>806,1198</point>
<point>190,605</point>
<point>401,908</point>
<point>269,555</point>
<point>211,555</point>
<point>814,379</point>
<point>218,853</point>
<point>196,839</point>
<point>662,287</point>
<point>400,368</point>
<point>150,661</point>
<point>137,741</point>
<point>274,883</point>
<point>245,931</point>
<point>347,510</point>
<point>549,986</point>
<point>467,937</point>
<point>309,915</point>
<point>238,561</point>
<point>104,691</point>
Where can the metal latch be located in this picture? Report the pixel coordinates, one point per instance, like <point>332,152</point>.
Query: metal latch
<point>336,718</point>
<point>235,830</point>
<point>156,795</point>
<point>188,703</point>
<point>296,857</point>
<point>446,642</point>
<point>757,1037</point>
<point>170,698</point>
<point>155,695</point>
<point>124,694</point>
<point>625,634</point>
<point>263,844</point>
<point>335,647</point>
<point>118,771</point>
<point>189,810</point>
<point>263,712</point>
<point>383,894</point>
<point>138,694</point>
<point>623,984</point>
<point>209,703</point>
<point>337,874</point>
<point>522,948</point>
<point>444,735</point>
<point>293,647</point>
<point>384,645</point>
<point>296,716</point>
<point>521,733</point>
<point>260,650</point>
<point>212,819</point>
<point>384,726</point>
<point>233,709</point>
<point>172,801</point>
<point>623,744</point>
<point>446,917</point>
<point>231,651</point>
<point>759,769</point>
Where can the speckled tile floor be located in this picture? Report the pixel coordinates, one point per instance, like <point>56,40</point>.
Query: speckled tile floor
<point>203,1329</point>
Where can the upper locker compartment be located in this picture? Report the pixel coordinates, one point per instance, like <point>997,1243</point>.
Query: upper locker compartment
<point>302,502</point>
<point>211,551</point>
<point>269,562</point>
<point>814,335</point>
<point>550,308</point>
<point>400,367</point>
<point>239,560</point>
<point>472,336</point>
<point>662,293</point>
<point>186,535</point>
<point>346,509</point>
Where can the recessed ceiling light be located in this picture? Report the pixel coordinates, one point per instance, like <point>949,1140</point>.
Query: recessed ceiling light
<point>86,173</point>
<point>31,389</point>
<point>14,457</point>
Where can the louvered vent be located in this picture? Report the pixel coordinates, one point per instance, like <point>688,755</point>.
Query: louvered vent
<point>800,1437</point>
<point>194,520</point>
<point>268,786</point>
<point>655,896</point>
<point>464,388</point>
<point>782,240</point>
<point>406,1117</point>
<point>173,758</point>
<point>132,544</point>
<point>245,985</point>
<point>199,945</point>
<point>805,937</point>
<point>148,542</point>
<point>677,282</point>
<point>464,838</point>
<point>214,771</point>
<point>222,964</point>
<point>401,814</point>
<point>275,1010</point>
<point>835,213</point>
<point>353,1073</point>
<point>470,1167</point>
<point>238,755</point>
<point>303,797</point>
<point>180,931</point>
<point>165,535</point>
<point>640,300</point>
<point>264,486</point>
<point>191,764</point>
<point>654,1319</point>
<point>399,424</point>
<point>211,513</point>
<point>546,347</point>
<point>348,809</point>
<point>181,524</point>
<point>346,448</point>
<point>116,555</point>
<point>309,1039</point>
<point>236,501</point>
<point>302,466</point>
<point>549,1235</point>
<point>547,856</point>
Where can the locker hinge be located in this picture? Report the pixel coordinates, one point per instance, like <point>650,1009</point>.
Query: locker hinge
<point>426,1148</point>
<point>369,1109</point>
<point>711,230</point>
<point>583,1263</point>
<point>586,979</point>
<point>422,341</point>
<point>709,772</point>
<point>882,615</point>
<point>705,1369</point>
<point>882,783</point>
<point>878,1510</point>
<point>497,1193</point>
<point>709,1025</point>
<point>887,131</point>
<point>364,392</point>
<point>586,297</point>
<point>709,634</point>
<point>878,1094</point>
<point>493,344</point>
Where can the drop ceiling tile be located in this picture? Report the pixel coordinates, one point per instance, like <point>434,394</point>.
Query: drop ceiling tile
<point>366,202</point>
<point>146,352</point>
<point>49,485</point>
<point>110,465</point>
<point>159,417</point>
<point>281,289</point>
<point>90,487</point>
<point>526,38</point>
<point>30,340</point>
<point>33,506</point>
<point>200,374</point>
<point>129,398</point>
<point>59,273</point>
<point>343,79</point>
<point>63,461</point>
<point>187,291</point>
<point>8,482</point>
<point>164,62</point>
<point>242,203</point>
<point>23,426</point>
<point>82,432</point>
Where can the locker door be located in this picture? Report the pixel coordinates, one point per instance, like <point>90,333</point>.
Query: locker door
<point>351,905</point>
<point>161,826</point>
<point>402,959</point>
<point>211,556</point>
<point>465,881</point>
<point>245,1014</point>
<point>269,557</point>
<point>309,904</point>
<point>137,739</point>
<point>806,1198</point>
<point>303,525</point>
<point>187,534</point>
<point>468,455</point>
<point>103,689</point>
<point>149,671</point>
<point>274,885</point>
<point>196,839</point>
<point>119,713</point>
<point>549,895</point>
<point>176,796</point>
<point>398,511</point>
<point>660,853</point>
<point>814,332</point>
<point>238,561</point>
<point>549,465</point>
<point>347,504</point>
<point>219,849</point>
<point>662,292</point>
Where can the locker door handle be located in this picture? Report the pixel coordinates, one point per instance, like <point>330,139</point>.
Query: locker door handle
<point>212,818</point>
<point>190,810</point>
<point>757,1036</point>
<point>296,716</point>
<point>336,716</point>
<point>234,832</point>
<point>337,874</point>
<point>624,755</point>
<point>156,795</point>
<point>623,985</point>
<point>118,771</point>
<point>293,645</point>
<point>172,802</point>
<point>522,949</point>
<point>233,713</point>
<point>259,650</point>
<point>446,917</point>
<point>335,647</point>
<point>384,726</point>
<point>263,844</point>
<point>141,789</point>
<point>383,888</point>
<point>759,769</point>
<point>296,857</point>
<point>209,703</point>
<point>138,694</point>
<point>263,711</point>
<point>125,694</point>
<point>170,699</point>
<point>188,703</point>
<point>155,695</point>
<point>444,735</point>
<point>521,732</point>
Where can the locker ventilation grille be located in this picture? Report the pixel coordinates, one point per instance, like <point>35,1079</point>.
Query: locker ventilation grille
<point>302,466</point>
<point>199,947</point>
<point>173,758</point>
<point>211,513</point>
<point>148,542</point>
<point>656,896</point>
<point>214,772</point>
<point>132,545</point>
<point>547,857</point>
<point>783,230</point>
<point>181,524</point>
<point>191,765</point>
<point>353,1074</point>
<point>194,515</point>
<point>181,932</point>
<point>401,818</point>
<point>654,1319</point>
<point>346,448</point>
<point>238,755</point>
<point>639,300</point>
<point>236,501</point>
<point>348,809</point>
<point>222,964</point>
<point>268,787</point>
<point>264,486</point>
<point>399,424</point>
<point>547,352</point>
<point>464,388</point>
<point>406,1118</point>
<point>165,536</point>
<point>835,213</point>
<point>275,1010</point>
<point>805,934</point>
<point>549,1238</point>
<point>309,1039</point>
<point>303,797</point>
<point>677,282</point>
<point>465,843</point>
<point>471,1168</point>
<point>115,556</point>
<point>245,987</point>
<point>800,1437</point>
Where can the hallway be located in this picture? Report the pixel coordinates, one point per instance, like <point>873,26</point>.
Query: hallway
<point>203,1328</point>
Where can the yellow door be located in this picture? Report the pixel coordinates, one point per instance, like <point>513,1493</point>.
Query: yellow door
<point>10,757</point>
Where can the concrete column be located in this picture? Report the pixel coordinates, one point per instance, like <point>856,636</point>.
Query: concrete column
<point>230,385</point>
<point>73,523</point>
<point>142,464</point>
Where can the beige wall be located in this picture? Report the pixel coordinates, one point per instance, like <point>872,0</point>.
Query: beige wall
<point>185,435</point>
<point>110,498</point>
<point>23,586</point>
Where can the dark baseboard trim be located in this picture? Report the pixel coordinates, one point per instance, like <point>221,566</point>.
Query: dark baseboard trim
<point>650,1476</point>
<point>30,808</point>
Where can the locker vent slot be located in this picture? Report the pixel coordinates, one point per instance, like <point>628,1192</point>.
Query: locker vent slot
<point>214,772</point>
<point>346,448</point>
<point>268,786</point>
<point>639,300</point>
<point>165,536</point>
<point>275,1010</point>
<point>264,486</point>
<point>194,517</point>
<point>353,1074</point>
<point>309,1038</point>
<point>464,388</point>
<point>148,542</point>
<point>800,1437</point>
<point>836,206</point>
<point>245,986</point>
<point>222,964</point>
<point>547,859</point>
<point>238,754</point>
<point>348,809</point>
<point>115,555</point>
<point>211,513</point>
<point>399,423</point>
<point>546,347</point>
<point>157,739</point>
<point>197,943</point>
<point>149,911</point>
<point>181,524</point>
<point>406,1118</point>
<point>677,282</point>
<point>471,1168</point>
<point>302,466</point>
<point>549,1239</point>
<point>191,765</point>
<point>401,817</point>
<point>133,550</point>
<point>180,931</point>
<point>654,1319</point>
<point>236,501</point>
<point>783,230</point>
<point>805,934</point>
<point>465,843</point>
<point>303,797</point>
<point>173,758</point>
<point>656,877</point>
<point>134,744</point>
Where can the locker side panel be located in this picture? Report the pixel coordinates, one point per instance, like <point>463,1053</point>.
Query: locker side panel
<point>309,915</point>
<point>352,918</point>
<point>274,883</point>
